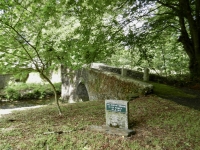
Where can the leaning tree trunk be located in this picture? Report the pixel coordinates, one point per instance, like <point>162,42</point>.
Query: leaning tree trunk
<point>55,92</point>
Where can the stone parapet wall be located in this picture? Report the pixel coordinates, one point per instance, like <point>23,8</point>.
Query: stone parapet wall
<point>4,80</point>
<point>107,85</point>
<point>132,73</point>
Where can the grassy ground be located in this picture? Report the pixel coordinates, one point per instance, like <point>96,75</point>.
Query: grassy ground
<point>187,96</point>
<point>159,124</point>
<point>163,90</point>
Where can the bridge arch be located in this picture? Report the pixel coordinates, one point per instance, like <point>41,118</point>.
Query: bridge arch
<point>82,92</point>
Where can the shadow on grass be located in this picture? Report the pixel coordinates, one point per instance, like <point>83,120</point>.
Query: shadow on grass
<point>183,96</point>
<point>192,103</point>
<point>134,123</point>
<point>24,103</point>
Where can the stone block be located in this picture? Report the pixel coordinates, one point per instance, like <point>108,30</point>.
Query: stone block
<point>117,113</point>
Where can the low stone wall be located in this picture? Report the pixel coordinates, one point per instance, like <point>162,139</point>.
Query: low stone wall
<point>107,85</point>
<point>4,80</point>
<point>34,77</point>
<point>133,74</point>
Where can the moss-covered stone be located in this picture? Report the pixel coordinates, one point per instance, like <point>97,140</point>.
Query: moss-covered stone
<point>115,86</point>
<point>102,85</point>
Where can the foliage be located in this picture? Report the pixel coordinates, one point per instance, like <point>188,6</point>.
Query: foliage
<point>165,58</point>
<point>159,124</point>
<point>28,47</point>
<point>160,25</point>
<point>22,91</point>
<point>44,34</point>
<point>61,36</point>
<point>12,94</point>
<point>41,35</point>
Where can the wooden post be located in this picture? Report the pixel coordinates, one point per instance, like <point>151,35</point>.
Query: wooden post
<point>146,74</point>
<point>123,72</point>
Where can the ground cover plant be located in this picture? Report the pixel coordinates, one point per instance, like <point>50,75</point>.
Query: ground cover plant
<point>159,124</point>
<point>22,91</point>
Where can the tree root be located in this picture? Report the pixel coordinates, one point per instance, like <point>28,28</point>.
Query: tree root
<point>61,132</point>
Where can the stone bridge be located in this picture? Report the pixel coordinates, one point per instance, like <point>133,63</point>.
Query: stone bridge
<point>4,78</point>
<point>100,82</point>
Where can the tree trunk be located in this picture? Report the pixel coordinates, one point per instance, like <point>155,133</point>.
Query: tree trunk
<point>56,99</point>
<point>190,35</point>
<point>194,67</point>
<point>55,93</point>
<point>194,57</point>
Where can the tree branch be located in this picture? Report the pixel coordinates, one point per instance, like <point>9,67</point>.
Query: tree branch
<point>184,38</point>
<point>26,8</point>
<point>169,5</point>
<point>20,35</point>
<point>19,56</point>
<point>33,47</point>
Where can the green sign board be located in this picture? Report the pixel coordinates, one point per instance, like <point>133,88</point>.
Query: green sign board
<point>116,107</point>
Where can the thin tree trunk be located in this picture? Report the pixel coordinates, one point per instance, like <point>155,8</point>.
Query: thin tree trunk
<point>55,93</point>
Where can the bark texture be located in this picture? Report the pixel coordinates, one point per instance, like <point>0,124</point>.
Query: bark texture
<point>188,14</point>
<point>189,20</point>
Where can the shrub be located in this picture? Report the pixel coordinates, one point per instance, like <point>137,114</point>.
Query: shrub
<point>12,94</point>
<point>30,91</point>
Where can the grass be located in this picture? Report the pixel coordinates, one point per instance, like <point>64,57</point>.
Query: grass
<point>163,89</point>
<point>159,124</point>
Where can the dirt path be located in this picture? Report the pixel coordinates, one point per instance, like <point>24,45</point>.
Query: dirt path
<point>8,111</point>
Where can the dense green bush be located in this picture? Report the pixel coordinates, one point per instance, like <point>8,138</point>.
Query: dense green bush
<point>21,91</point>
<point>12,94</point>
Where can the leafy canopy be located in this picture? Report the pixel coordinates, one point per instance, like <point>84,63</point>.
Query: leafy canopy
<point>39,35</point>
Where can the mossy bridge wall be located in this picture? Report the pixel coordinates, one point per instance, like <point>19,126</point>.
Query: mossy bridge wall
<point>101,82</point>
